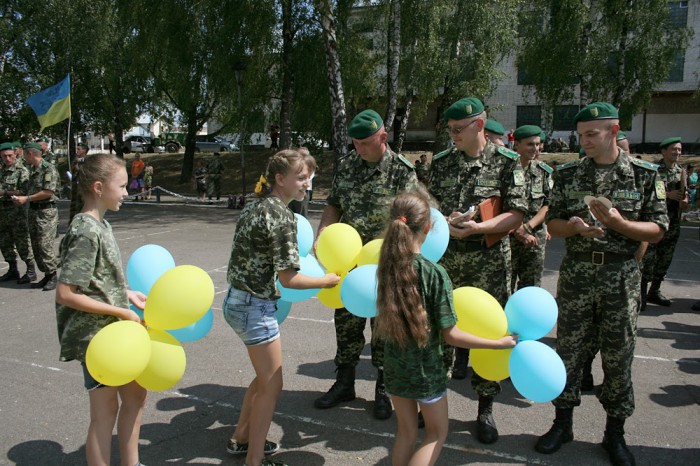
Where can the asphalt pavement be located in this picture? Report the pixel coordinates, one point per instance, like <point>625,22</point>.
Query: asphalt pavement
<point>44,409</point>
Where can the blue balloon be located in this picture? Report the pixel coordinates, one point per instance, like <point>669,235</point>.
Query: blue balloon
<point>305,235</point>
<point>146,265</point>
<point>359,291</point>
<point>283,308</point>
<point>531,312</point>
<point>435,243</point>
<point>537,371</point>
<point>196,331</point>
<point>308,266</point>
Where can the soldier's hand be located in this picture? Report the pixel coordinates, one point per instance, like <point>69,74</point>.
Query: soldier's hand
<point>610,218</point>
<point>584,229</point>
<point>464,229</point>
<point>20,200</point>
<point>675,195</point>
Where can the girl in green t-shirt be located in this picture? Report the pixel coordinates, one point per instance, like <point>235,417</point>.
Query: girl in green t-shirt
<point>416,319</point>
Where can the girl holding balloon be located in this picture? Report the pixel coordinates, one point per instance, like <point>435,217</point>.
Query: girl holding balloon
<point>92,294</point>
<point>265,248</point>
<point>416,319</point>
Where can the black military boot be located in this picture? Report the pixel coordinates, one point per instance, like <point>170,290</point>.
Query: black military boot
<point>42,283</point>
<point>587,379</point>
<point>486,431</point>
<point>614,443</point>
<point>655,297</point>
<point>29,276</point>
<point>560,433</point>
<point>382,404</point>
<point>12,273</point>
<point>342,390</point>
<point>51,284</point>
<point>644,290</point>
<point>459,371</point>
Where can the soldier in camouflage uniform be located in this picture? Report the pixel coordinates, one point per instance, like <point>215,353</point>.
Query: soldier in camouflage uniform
<point>659,256</point>
<point>528,242</point>
<point>461,177</point>
<point>48,156</point>
<point>422,169</point>
<point>494,132</point>
<point>42,214</point>
<point>365,183</point>
<point>14,231</point>
<point>214,170</point>
<point>599,280</point>
<point>76,201</point>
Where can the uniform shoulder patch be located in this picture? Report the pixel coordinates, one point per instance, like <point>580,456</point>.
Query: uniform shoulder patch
<point>566,165</point>
<point>546,167</point>
<point>405,161</point>
<point>442,154</point>
<point>508,153</point>
<point>644,164</point>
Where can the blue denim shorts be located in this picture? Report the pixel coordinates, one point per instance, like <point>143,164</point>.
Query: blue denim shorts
<point>253,319</point>
<point>89,382</point>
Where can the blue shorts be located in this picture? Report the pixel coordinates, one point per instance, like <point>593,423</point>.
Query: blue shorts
<point>253,319</point>
<point>430,399</point>
<point>89,381</point>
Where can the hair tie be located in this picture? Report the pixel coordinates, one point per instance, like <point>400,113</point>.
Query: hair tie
<point>261,185</point>
<point>402,218</point>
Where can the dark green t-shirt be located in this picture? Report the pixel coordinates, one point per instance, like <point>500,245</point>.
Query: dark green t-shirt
<point>413,372</point>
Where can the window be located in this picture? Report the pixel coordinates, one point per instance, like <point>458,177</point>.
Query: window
<point>528,115</point>
<point>676,73</point>
<point>678,14</point>
<point>563,118</point>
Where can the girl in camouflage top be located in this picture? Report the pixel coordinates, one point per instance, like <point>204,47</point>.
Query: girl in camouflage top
<point>92,294</point>
<point>264,249</point>
<point>416,319</point>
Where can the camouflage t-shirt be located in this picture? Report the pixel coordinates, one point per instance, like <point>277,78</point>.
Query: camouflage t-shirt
<point>91,261</point>
<point>265,242</point>
<point>413,372</point>
<point>43,176</point>
<point>631,184</point>
<point>362,192</point>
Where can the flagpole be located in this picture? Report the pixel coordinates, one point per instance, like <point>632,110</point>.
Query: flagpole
<point>70,167</point>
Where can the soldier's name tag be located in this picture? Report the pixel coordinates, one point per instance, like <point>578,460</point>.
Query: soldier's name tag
<point>578,194</point>
<point>660,190</point>
<point>537,189</point>
<point>518,178</point>
<point>47,177</point>
<point>448,183</point>
<point>488,183</point>
<point>383,191</point>
<point>346,184</point>
<point>627,195</point>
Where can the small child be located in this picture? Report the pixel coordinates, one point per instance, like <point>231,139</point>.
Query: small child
<point>416,319</point>
<point>265,248</point>
<point>92,294</point>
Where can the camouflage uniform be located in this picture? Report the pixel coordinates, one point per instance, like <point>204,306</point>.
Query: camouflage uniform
<point>459,182</point>
<point>528,262</point>
<point>265,243</point>
<point>414,372</point>
<point>599,281</point>
<point>43,216</point>
<point>659,256</point>
<point>90,260</point>
<point>214,170</point>
<point>362,193</point>
<point>14,231</point>
<point>422,171</point>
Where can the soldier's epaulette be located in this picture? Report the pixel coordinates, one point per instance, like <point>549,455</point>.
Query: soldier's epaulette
<point>405,161</point>
<point>508,153</point>
<point>644,163</point>
<point>566,165</point>
<point>442,154</point>
<point>545,167</point>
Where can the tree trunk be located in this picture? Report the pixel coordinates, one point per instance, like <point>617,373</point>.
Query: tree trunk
<point>287,76</point>
<point>398,145</point>
<point>393,59</point>
<point>335,80</point>
<point>118,133</point>
<point>193,126</point>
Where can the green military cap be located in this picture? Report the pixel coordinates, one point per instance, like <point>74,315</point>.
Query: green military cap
<point>17,144</point>
<point>463,108</point>
<point>621,136</point>
<point>596,111</point>
<point>42,139</point>
<point>83,145</point>
<point>32,145</point>
<point>495,127</point>
<point>543,136</point>
<point>668,141</point>
<point>7,146</point>
<point>526,131</point>
<point>365,124</point>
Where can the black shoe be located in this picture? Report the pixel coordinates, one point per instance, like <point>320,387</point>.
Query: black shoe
<point>235,448</point>
<point>655,297</point>
<point>24,279</point>
<point>486,431</point>
<point>12,274</point>
<point>557,436</point>
<point>41,283</point>
<point>461,365</point>
<point>342,390</point>
<point>614,443</point>
<point>51,284</point>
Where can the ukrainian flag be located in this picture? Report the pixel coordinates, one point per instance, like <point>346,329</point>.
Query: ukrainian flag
<point>52,105</point>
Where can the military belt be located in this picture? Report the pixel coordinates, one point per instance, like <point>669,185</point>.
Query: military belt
<point>466,246</point>
<point>600,257</point>
<point>41,205</point>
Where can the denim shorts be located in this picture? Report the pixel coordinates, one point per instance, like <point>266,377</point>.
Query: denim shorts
<point>89,381</point>
<point>253,319</point>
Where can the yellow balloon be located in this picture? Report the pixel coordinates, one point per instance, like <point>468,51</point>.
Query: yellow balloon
<point>337,247</point>
<point>180,297</point>
<point>331,296</point>
<point>491,364</point>
<point>118,353</point>
<point>479,313</point>
<point>167,364</point>
<point>369,254</point>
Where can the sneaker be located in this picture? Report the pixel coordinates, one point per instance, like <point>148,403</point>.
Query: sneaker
<point>235,448</point>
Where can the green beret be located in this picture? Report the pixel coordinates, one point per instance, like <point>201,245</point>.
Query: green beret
<point>83,145</point>
<point>17,144</point>
<point>543,136</point>
<point>463,108</point>
<point>32,145</point>
<point>667,142</point>
<point>7,146</point>
<point>365,124</point>
<point>582,152</point>
<point>492,126</point>
<point>526,131</point>
<point>596,111</point>
<point>620,136</point>
<point>42,139</point>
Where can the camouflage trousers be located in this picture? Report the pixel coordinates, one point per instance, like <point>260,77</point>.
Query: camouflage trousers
<point>14,233</point>
<point>527,263</point>
<point>598,305</point>
<point>350,338</point>
<point>214,185</point>
<point>489,270</point>
<point>659,256</point>
<point>42,230</point>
